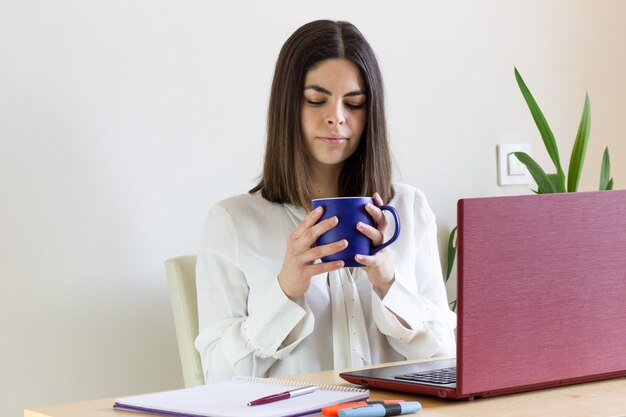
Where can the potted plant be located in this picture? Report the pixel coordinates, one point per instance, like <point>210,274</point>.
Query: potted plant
<point>557,182</point>
<point>553,182</point>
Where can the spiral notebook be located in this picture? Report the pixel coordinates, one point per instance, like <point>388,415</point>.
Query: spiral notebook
<point>230,398</point>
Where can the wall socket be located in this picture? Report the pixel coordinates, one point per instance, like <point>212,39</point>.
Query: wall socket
<point>510,170</point>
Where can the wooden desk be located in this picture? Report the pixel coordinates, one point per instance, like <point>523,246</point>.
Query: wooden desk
<point>601,399</point>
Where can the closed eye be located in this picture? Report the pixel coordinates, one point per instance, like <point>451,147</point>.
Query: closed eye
<point>355,106</point>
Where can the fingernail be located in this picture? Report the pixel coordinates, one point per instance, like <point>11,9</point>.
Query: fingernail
<point>340,264</point>
<point>318,209</point>
<point>359,225</point>
<point>344,242</point>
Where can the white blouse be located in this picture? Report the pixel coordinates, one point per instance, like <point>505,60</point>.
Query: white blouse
<point>248,326</point>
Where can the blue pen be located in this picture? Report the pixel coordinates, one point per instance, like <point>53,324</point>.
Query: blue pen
<point>381,410</point>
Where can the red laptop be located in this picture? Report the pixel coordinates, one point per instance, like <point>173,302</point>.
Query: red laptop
<point>541,298</point>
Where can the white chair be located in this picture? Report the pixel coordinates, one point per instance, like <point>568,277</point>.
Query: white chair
<point>181,280</point>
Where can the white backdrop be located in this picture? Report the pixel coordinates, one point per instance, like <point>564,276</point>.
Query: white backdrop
<point>122,121</point>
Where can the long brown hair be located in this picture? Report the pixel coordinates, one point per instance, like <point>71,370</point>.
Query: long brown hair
<point>285,177</point>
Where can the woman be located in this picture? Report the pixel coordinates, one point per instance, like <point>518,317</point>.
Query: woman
<point>267,306</point>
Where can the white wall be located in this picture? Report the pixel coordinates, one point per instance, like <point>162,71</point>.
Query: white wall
<point>122,121</point>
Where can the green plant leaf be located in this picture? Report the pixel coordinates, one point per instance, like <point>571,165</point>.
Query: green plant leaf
<point>453,305</point>
<point>451,252</point>
<point>541,178</point>
<point>554,179</point>
<point>605,171</point>
<point>544,130</point>
<point>580,147</point>
<point>610,185</point>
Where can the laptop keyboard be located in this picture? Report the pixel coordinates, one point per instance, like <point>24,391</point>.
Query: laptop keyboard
<point>436,376</point>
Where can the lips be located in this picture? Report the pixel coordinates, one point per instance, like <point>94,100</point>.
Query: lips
<point>332,140</point>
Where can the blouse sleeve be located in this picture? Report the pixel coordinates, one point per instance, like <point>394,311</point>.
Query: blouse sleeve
<point>420,300</point>
<point>232,339</point>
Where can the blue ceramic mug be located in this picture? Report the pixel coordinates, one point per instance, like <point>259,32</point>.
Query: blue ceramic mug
<point>349,212</point>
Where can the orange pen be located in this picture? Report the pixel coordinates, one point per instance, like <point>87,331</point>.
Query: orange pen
<point>332,410</point>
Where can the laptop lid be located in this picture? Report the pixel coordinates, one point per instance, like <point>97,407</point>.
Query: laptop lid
<point>541,285</point>
<point>542,282</point>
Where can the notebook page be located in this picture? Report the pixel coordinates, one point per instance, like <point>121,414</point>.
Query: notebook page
<point>230,399</point>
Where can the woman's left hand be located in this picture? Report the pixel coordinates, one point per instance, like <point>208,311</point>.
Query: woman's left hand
<point>378,267</point>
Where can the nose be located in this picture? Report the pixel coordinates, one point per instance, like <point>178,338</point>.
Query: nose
<point>336,115</point>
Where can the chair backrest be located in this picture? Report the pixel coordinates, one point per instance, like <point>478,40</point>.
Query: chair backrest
<point>181,279</point>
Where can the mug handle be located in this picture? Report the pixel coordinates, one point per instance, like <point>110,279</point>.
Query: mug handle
<point>396,233</point>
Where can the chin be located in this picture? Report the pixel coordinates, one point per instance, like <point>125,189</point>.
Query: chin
<point>333,160</point>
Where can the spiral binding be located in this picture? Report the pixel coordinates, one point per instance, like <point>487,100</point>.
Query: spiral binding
<point>297,384</point>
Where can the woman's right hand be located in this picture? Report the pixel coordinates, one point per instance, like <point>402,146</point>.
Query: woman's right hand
<point>301,253</point>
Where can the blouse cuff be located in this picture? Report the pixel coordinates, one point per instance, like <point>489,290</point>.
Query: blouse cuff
<point>276,321</point>
<point>399,302</point>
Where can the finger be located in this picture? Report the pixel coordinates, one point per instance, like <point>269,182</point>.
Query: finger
<point>365,260</point>
<point>323,267</point>
<point>378,200</point>
<point>308,221</point>
<point>321,251</point>
<point>309,237</point>
<point>321,228</point>
<point>378,216</point>
<point>372,233</point>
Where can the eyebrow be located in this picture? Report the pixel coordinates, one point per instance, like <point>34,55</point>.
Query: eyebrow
<point>328,93</point>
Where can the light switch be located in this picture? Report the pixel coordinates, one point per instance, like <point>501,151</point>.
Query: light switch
<point>510,169</point>
<point>514,166</point>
